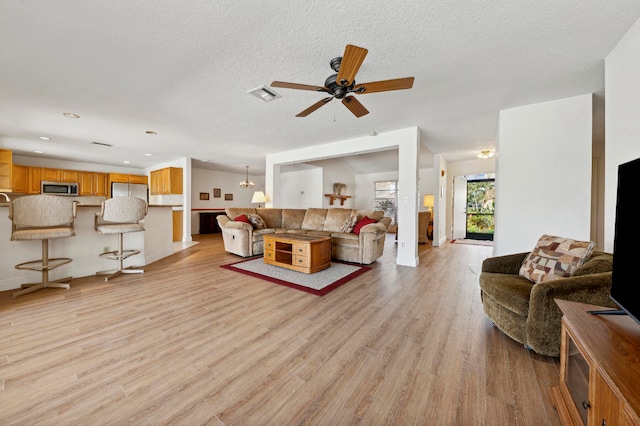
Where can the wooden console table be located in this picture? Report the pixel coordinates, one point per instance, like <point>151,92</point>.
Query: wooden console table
<point>333,197</point>
<point>599,368</point>
<point>302,253</point>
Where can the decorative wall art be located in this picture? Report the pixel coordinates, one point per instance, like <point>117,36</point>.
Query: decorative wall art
<point>228,197</point>
<point>204,195</point>
<point>217,192</point>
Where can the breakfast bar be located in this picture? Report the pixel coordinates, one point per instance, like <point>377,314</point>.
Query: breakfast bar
<point>154,243</point>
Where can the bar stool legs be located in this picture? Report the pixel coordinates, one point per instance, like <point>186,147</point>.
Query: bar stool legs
<point>120,255</point>
<point>44,265</point>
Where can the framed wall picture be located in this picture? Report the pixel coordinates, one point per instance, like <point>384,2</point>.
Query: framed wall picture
<point>228,197</point>
<point>217,192</point>
<point>204,195</point>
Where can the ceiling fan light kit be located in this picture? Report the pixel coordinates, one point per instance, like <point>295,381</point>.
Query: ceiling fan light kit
<point>343,84</point>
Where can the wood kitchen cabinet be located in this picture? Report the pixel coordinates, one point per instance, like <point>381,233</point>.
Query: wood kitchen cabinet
<point>70,176</point>
<point>139,179</point>
<point>34,178</point>
<point>599,368</point>
<point>177,225</point>
<point>26,180</point>
<point>20,179</point>
<point>6,170</point>
<point>126,178</point>
<point>166,181</point>
<point>93,183</point>
<point>118,177</point>
<point>53,175</point>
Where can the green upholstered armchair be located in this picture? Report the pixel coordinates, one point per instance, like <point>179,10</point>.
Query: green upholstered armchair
<point>526,311</point>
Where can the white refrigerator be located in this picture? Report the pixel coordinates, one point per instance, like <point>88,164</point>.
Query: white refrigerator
<point>139,190</point>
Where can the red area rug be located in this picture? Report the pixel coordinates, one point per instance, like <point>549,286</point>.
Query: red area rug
<point>319,283</point>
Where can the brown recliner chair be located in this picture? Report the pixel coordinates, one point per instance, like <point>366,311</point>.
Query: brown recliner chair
<point>526,311</point>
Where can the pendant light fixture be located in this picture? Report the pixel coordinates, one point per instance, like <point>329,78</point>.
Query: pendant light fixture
<point>246,183</point>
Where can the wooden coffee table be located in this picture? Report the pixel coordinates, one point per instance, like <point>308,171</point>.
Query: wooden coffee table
<point>302,253</point>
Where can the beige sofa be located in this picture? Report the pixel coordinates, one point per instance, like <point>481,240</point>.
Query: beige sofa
<point>242,239</point>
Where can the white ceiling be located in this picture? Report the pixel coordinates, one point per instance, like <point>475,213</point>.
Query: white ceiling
<point>183,69</point>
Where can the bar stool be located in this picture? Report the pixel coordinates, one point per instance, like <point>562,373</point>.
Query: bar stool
<point>120,215</point>
<point>42,217</point>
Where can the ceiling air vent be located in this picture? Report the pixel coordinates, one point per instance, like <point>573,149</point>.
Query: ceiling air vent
<point>101,143</point>
<point>265,94</point>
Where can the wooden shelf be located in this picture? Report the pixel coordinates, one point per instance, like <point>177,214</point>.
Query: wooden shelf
<point>333,197</point>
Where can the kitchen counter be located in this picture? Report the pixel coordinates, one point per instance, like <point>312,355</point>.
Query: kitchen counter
<point>154,243</point>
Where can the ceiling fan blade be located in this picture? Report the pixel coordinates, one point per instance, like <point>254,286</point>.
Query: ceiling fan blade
<point>286,85</point>
<point>314,107</point>
<point>384,85</point>
<point>350,64</point>
<point>355,106</point>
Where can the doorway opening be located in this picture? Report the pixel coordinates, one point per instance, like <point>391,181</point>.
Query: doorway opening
<point>474,207</point>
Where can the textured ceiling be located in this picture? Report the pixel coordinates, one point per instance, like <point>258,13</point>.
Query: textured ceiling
<point>182,69</point>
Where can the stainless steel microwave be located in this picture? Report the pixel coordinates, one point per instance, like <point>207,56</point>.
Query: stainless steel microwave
<point>58,188</point>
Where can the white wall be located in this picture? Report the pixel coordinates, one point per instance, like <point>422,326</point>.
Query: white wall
<point>622,82</point>
<point>204,180</point>
<point>440,200</point>
<point>302,189</point>
<point>543,171</point>
<point>333,172</point>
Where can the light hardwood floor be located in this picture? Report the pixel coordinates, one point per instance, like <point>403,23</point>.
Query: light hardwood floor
<point>191,343</point>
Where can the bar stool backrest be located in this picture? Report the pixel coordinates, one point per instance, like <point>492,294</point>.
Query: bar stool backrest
<point>124,209</point>
<point>42,211</point>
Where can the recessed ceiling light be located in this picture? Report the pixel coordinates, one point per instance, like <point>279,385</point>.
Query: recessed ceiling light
<point>71,115</point>
<point>126,162</point>
<point>148,155</point>
<point>151,132</point>
<point>44,138</point>
<point>39,152</point>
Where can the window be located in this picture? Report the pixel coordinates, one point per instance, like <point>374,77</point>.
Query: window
<point>385,198</point>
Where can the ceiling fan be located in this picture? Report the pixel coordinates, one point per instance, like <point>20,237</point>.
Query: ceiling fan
<point>343,84</point>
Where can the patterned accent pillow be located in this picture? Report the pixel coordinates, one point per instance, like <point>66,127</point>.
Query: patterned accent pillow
<point>256,220</point>
<point>555,257</point>
<point>349,223</point>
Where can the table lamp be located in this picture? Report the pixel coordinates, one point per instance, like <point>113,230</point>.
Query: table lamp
<point>259,197</point>
<point>427,201</point>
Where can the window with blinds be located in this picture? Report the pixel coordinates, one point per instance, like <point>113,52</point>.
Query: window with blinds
<point>385,198</point>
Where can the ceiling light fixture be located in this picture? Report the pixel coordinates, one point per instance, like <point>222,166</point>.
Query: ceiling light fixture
<point>39,152</point>
<point>71,115</point>
<point>126,162</point>
<point>246,183</point>
<point>487,153</point>
<point>148,155</point>
<point>44,138</point>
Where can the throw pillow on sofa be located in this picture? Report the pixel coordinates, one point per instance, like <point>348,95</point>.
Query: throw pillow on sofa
<point>362,222</point>
<point>256,221</point>
<point>242,218</point>
<point>349,223</point>
<point>555,257</point>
